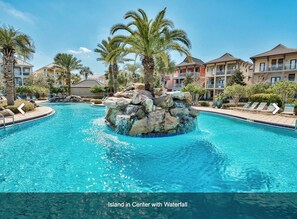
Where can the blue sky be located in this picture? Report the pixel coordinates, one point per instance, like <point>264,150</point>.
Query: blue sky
<point>242,28</point>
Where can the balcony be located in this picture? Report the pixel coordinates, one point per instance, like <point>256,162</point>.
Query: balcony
<point>230,71</point>
<point>219,85</point>
<point>184,74</point>
<point>220,73</point>
<point>210,86</point>
<point>277,68</point>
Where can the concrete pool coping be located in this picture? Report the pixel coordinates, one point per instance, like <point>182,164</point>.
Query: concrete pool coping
<point>266,119</point>
<point>38,113</point>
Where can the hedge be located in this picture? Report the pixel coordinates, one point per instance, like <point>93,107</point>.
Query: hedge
<point>28,106</point>
<point>268,98</point>
<point>96,101</point>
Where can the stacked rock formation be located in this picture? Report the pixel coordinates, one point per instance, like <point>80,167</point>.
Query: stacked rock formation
<point>136,111</point>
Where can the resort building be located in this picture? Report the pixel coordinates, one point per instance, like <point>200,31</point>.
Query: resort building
<point>218,71</point>
<point>52,71</point>
<point>22,71</point>
<point>279,63</point>
<point>195,69</point>
<point>83,88</point>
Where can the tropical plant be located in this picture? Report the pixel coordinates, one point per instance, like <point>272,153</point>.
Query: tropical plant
<point>161,69</point>
<point>236,92</point>
<point>105,49</point>
<point>189,79</point>
<point>150,39</point>
<point>12,43</point>
<point>97,89</point>
<point>285,89</point>
<point>236,77</point>
<point>85,71</point>
<point>135,70</point>
<point>257,89</point>
<point>75,78</point>
<point>195,90</point>
<point>67,63</point>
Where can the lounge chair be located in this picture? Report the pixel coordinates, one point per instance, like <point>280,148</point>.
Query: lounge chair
<point>269,109</point>
<point>253,106</point>
<point>244,107</point>
<point>289,109</point>
<point>260,107</point>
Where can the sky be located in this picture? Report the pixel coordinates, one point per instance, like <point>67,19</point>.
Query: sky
<point>243,28</point>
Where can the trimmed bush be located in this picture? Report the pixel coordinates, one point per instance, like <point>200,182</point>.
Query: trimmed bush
<point>204,103</point>
<point>28,106</point>
<point>268,98</point>
<point>228,105</point>
<point>96,101</point>
<point>87,99</point>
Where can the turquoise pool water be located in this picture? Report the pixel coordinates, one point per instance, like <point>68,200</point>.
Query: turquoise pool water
<point>74,151</point>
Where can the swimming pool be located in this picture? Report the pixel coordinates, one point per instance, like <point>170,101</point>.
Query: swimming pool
<point>73,151</point>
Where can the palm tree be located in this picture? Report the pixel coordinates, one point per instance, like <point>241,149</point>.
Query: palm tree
<point>105,49</point>
<point>151,38</point>
<point>161,69</point>
<point>67,63</point>
<point>12,43</point>
<point>85,71</point>
<point>134,70</point>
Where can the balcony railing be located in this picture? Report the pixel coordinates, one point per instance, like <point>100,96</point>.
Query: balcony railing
<point>220,72</point>
<point>219,85</point>
<point>210,85</point>
<point>272,68</point>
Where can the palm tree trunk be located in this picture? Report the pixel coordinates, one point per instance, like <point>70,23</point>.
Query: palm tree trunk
<point>69,82</point>
<point>115,77</point>
<point>149,66</point>
<point>8,62</point>
<point>110,78</point>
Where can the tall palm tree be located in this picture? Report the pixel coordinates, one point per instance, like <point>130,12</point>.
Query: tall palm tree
<point>67,63</point>
<point>85,71</point>
<point>151,38</point>
<point>134,70</point>
<point>105,49</point>
<point>161,69</point>
<point>12,43</point>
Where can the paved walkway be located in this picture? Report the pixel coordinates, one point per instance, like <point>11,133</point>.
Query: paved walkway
<point>277,119</point>
<point>37,113</point>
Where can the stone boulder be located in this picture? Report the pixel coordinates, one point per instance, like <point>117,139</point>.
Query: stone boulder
<point>164,101</point>
<point>116,102</point>
<point>137,112</point>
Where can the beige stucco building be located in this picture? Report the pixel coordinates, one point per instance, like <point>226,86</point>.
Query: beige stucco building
<point>22,71</point>
<point>218,70</point>
<point>51,70</point>
<point>279,63</point>
<point>83,88</point>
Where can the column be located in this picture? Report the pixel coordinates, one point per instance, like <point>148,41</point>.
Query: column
<point>22,75</point>
<point>215,81</point>
<point>225,78</point>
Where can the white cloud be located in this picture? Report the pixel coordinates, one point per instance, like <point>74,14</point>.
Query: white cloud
<point>81,50</point>
<point>14,12</point>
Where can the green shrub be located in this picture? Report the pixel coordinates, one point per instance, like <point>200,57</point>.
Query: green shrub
<point>268,98</point>
<point>204,103</point>
<point>3,103</point>
<point>228,105</point>
<point>28,106</point>
<point>96,101</point>
<point>86,99</point>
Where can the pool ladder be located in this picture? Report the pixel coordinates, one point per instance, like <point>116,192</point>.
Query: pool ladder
<point>2,117</point>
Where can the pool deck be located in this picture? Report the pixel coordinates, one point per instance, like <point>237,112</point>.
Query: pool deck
<point>39,112</point>
<point>269,119</point>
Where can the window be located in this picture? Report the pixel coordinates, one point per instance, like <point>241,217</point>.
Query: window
<point>273,64</point>
<point>280,64</point>
<point>291,77</point>
<point>293,64</point>
<point>262,66</point>
<point>274,80</point>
